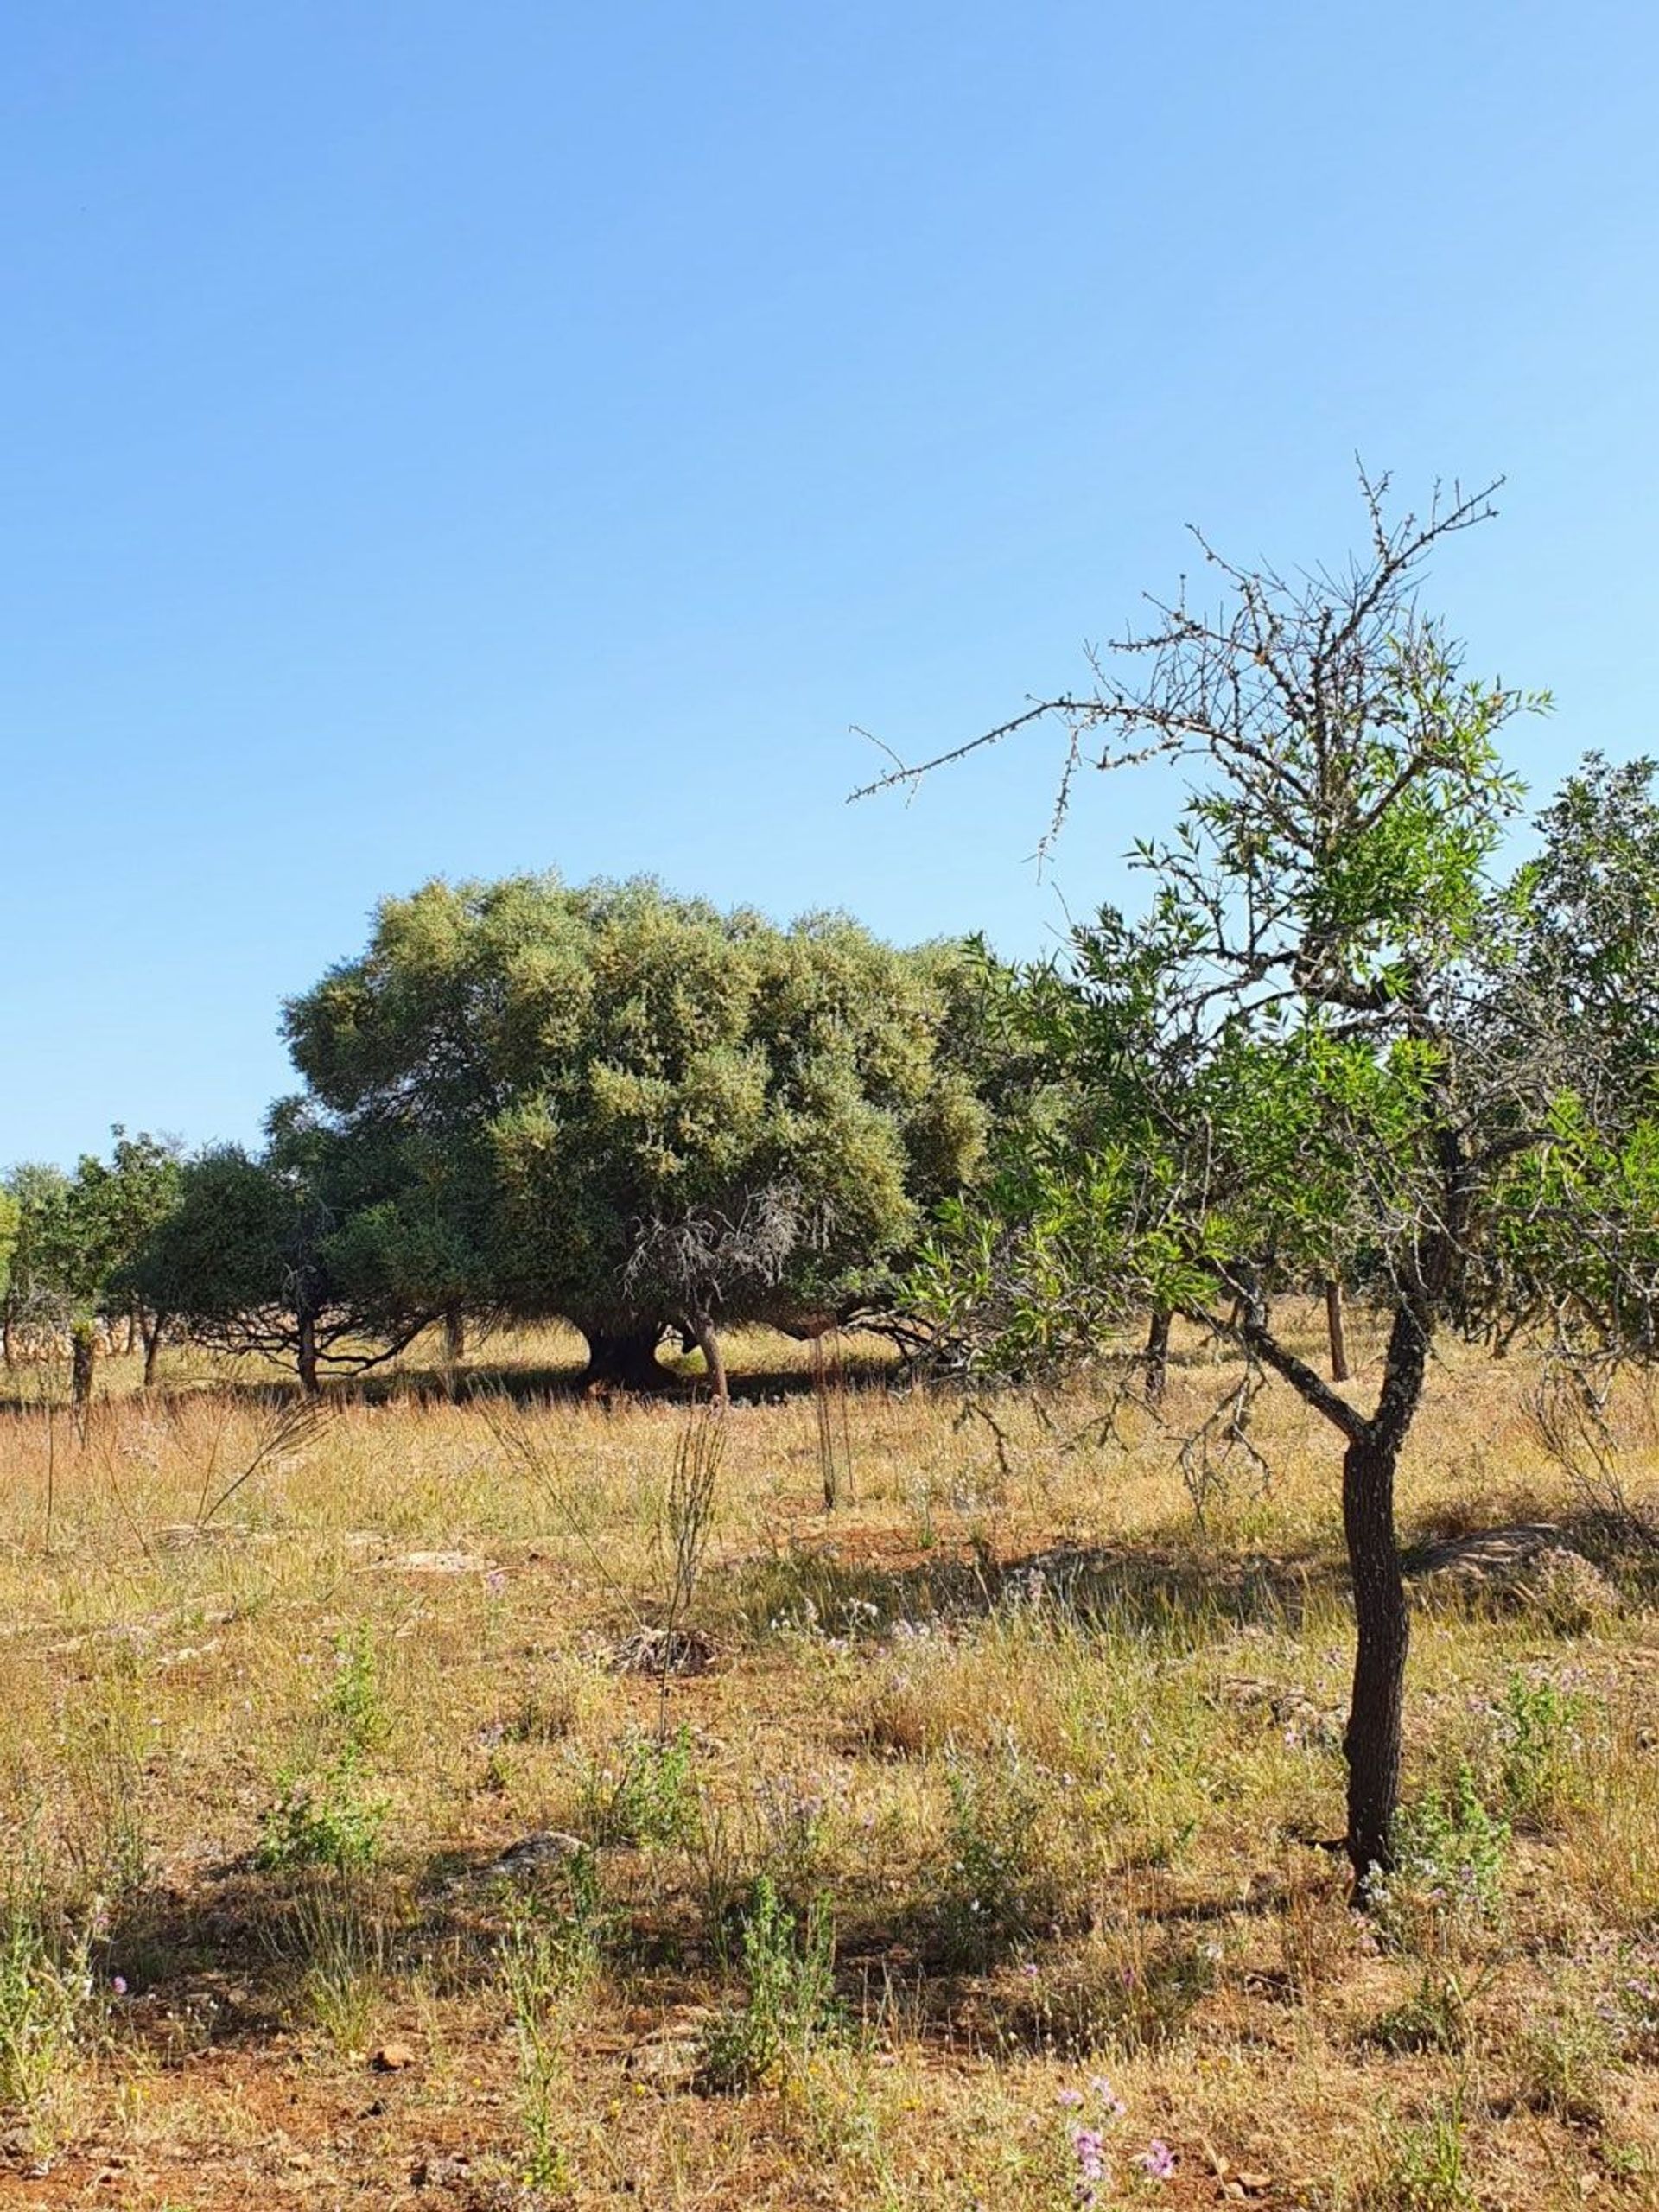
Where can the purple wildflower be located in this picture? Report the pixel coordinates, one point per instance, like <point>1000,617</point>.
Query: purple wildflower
<point>1090,2146</point>
<point>1158,2159</point>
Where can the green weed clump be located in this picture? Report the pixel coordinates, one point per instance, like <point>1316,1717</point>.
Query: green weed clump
<point>790,2006</point>
<point>1423,2166</point>
<point>1000,1889</point>
<point>1537,1734</point>
<point>1451,1855</point>
<point>644,1793</point>
<point>545,1964</point>
<point>326,1817</point>
<point>46,1992</point>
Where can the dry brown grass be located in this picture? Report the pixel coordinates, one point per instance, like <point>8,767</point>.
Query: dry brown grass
<point>1053,1759</point>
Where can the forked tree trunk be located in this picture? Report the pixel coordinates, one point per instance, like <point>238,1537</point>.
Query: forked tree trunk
<point>1336,1330</point>
<point>624,1360</point>
<point>1156,1356</point>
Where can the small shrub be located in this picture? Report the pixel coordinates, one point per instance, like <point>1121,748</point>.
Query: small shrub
<point>324,1820</point>
<point>1565,2059</point>
<point>540,1969</point>
<point>789,1966</point>
<point>353,1704</point>
<point>1451,1854</point>
<point>1535,1732</point>
<point>324,1817</point>
<point>795,1821</point>
<point>998,1891</point>
<point>1423,2168</point>
<point>645,1793</point>
<point>1630,2003</point>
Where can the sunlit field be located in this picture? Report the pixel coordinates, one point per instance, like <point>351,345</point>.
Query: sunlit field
<point>469,1795</point>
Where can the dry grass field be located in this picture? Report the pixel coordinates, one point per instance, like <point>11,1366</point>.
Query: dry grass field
<point>955,1848</point>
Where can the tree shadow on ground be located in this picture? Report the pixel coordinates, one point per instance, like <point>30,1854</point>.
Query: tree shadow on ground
<point>681,1386</point>
<point>1190,1596</point>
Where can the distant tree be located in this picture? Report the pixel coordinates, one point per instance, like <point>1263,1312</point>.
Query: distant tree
<point>284,1254</point>
<point>1302,1054</point>
<point>36,1293</point>
<point>9,1216</point>
<point>115,1207</point>
<point>640,1112</point>
<point>1581,925</point>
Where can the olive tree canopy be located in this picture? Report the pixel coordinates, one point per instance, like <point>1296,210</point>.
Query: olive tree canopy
<point>642,1112</point>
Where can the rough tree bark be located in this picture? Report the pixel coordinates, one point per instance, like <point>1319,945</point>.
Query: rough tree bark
<point>1371,1744</point>
<point>154,1330</point>
<point>714,1359</point>
<point>454,1335</point>
<point>82,1357</point>
<point>305,1356</point>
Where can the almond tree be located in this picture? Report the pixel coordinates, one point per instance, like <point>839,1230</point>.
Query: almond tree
<point>1300,1059</point>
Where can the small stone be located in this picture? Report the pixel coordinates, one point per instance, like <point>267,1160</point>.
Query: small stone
<point>392,2058</point>
<point>531,1852</point>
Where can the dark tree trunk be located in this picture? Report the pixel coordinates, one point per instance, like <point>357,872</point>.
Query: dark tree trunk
<point>5,1332</point>
<point>1336,1330</point>
<point>1372,1742</point>
<point>154,1329</point>
<point>1156,1356</point>
<point>454,1335</point>
<point>714,1359</point>
<point>305,1356</point>
<point>83,1359</point>
<point>624,1360</point>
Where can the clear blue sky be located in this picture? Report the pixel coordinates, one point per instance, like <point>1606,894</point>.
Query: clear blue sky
<point>448,439</point>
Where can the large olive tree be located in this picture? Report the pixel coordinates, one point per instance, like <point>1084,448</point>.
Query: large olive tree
<point>644,1112</point>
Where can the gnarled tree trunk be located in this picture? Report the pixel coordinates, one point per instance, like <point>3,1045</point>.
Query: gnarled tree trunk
<point>713,1358</point>
<point>623,1359</point>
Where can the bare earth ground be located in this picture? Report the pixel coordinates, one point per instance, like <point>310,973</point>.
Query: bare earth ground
<point>1035,1771</point>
